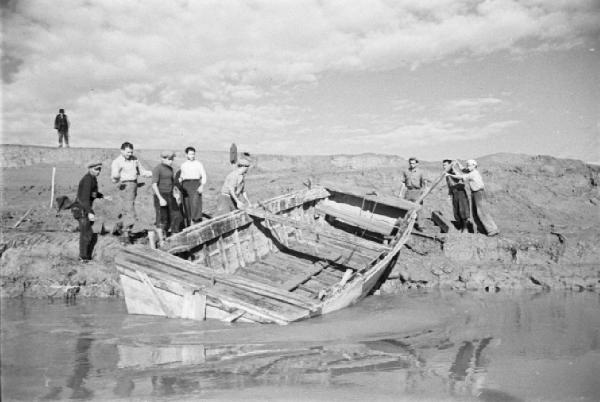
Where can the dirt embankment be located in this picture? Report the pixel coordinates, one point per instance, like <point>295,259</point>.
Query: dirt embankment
<point>547,210</point>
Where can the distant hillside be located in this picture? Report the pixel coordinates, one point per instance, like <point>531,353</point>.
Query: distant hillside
<point>12,156</point>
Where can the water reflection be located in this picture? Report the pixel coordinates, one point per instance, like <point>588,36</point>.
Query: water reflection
<point>182,369</point>
<point>541,348</point>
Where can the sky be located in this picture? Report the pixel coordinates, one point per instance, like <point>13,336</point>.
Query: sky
<point>432,79</point>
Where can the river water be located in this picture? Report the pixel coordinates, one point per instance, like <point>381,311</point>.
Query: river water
<point>417,346</point>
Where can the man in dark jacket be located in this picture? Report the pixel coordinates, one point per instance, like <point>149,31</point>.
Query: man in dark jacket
<point>87,192</point>
<point>61,124</point>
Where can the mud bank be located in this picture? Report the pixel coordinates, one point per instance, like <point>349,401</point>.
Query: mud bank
<point>547,209</point>
<point>45,264</point>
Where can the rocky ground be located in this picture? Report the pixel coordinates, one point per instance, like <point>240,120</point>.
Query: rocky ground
<point>547,210</point>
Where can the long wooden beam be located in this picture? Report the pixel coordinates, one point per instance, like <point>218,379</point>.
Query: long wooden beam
<point>261,214</point>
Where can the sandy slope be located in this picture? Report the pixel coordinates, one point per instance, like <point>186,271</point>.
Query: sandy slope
<point>533,199</point>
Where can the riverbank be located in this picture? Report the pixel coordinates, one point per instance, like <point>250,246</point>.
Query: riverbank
<point>547,209</point>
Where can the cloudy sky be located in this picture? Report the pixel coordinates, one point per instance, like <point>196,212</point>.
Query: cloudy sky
<point>436,78</point>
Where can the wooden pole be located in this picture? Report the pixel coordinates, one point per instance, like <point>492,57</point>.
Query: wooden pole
<point>22,218</point>
<point>52,188</point>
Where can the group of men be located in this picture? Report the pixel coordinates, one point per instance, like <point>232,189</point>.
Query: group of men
<point>177,196</point>
<point>458,180</point>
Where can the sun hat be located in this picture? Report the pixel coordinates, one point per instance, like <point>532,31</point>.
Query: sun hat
<point>167,154</point>
<point>94,164</point>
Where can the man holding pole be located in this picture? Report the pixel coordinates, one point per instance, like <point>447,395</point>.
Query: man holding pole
<point>479,206</point>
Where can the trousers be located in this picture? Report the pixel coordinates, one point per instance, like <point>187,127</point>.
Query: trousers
<point>63,136</point>
<point>87,238</point>
<point>413,195</point>
<point>169,216</point>
<point>481,216</point>
<point>460,207</point>
<point>192,201</point>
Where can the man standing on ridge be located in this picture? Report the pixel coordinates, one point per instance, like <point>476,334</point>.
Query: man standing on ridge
<point>125,170</point>
<point>87,192</point>
<point>414,181</point>
<point>62,124</point>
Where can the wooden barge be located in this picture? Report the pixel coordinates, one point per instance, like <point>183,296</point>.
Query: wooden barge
<point>301,255</point>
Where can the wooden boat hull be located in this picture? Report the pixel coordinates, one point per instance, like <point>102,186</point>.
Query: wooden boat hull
<point>304,254</point>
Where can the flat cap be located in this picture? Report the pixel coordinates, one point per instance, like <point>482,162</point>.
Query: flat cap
<point>167,154</point>
<point>94,164</point>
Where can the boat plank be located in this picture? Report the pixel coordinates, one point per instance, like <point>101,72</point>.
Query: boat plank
<point>147,260</point>
<point>265,307</point>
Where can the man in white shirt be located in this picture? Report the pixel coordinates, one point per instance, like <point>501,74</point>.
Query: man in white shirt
<point>125,171</point>
<point>479,207</point>
<point>192,179</point>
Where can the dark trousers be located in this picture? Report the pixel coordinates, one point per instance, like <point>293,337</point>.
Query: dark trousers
<point>87,238</point>
<point>192,201</point>
<point>413,194</point>
<point>460,206</point>
<point>63,136</point>
<point>481,216</point>
<point>169,216</point>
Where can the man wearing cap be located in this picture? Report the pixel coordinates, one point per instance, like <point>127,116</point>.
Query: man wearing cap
<point>234,189</point>
<point>414,181</point>
<point>125,170</point>
<point>457,191</point>
<point>165,204</point>
<point>61,124</point>
<point>479,206</point>
<point>192,179</point>
<point>87,192</point>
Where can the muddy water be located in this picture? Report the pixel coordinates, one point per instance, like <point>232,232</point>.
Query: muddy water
<point>420,346</point>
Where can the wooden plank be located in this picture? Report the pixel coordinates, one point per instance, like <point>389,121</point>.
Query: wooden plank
<point>292,283</point>
<point>163,305</point>
<point>165,283</point>
<point>194,306</point>
<point>379,227</point>
<point>236,298</point>
<point>442,222</point>
<point>243,284</point>
<point>238,248</point>
<point>378,199</point>
<point>210,229</point>
<point>222,255</point>
<point>268,217</point>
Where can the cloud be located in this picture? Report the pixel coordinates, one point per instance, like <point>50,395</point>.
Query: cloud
<point>223,68</point>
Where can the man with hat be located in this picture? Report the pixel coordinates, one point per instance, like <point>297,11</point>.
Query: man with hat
<point>165,204</point>
<point>61,124</point>
<point>479,206</point>
<point>234,188</point>
<point>87,192</point>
